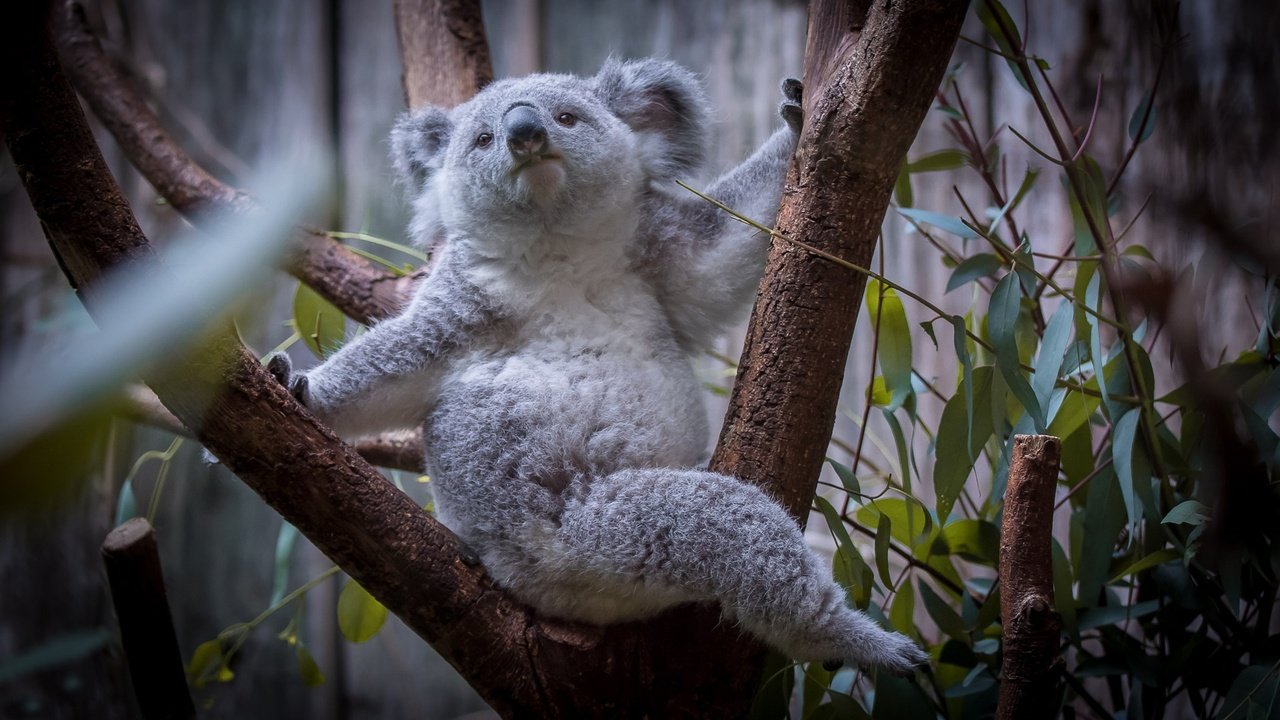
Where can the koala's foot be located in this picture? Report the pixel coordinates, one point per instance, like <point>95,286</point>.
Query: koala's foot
<point>792,108</point>
<point>281,368</point>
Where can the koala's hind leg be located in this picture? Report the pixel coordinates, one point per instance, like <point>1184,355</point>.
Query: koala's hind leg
<point>717,538</point>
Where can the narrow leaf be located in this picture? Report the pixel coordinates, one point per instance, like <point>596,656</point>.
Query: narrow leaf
<point>947,223</point>
<point>1159,557</point>
<point>884,532</point>
<point>949,159</point>
<point>960,439</point>
<point>884,306</point>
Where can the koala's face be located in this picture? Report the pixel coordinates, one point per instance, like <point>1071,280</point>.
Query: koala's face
<point>551,153</point>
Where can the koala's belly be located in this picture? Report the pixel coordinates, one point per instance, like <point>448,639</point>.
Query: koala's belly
<point>549,417</point>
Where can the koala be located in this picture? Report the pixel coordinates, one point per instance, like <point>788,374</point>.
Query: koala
<point>547,357</point>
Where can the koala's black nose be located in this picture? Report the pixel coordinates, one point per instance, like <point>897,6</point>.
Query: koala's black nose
<point>525,132</point>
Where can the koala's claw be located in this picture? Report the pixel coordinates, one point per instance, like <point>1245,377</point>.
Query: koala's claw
<point>792,108</point>
<point>281,368</point>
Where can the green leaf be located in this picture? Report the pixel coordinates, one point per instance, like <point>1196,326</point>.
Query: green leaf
<point>1143,120</point>
<point>947,223</point>
<point>894,332</point>
<point>1123,437</point>
<point>311,675</point>
<point>360,616</point>
<point>840,707</point>
<point>848,567</point>
<point>902,612</point>
<point>910,520</point>
<point>774,696</point>
<point>974,540</point>
<point>928,330</point>
<point>284,550</point>
<point>949,159</point>
<point>904,451</point>
<point>971,268</point>
<point>1188,512</point>
<point>1063,601</point>
<point>1158,557</point>
<point>1053,349</point>
<point>1104,516</point>
<point>1112,614</point>
<point>1028,180</point>
<point>204,662</point>
<point>947,619</point>
<point>1093,300</point>
<point>899,699</point>
<point>1002,318</point>
<point>996,20</point>
<point>847,478</point>
<point>884,533</point>
<point>322,326</point>
<point>961,434</point>
<point>902,187</point>
<point>1253,694</point>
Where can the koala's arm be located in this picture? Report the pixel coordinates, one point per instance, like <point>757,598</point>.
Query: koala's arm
<point>706,263</point>
<point>388,377</point>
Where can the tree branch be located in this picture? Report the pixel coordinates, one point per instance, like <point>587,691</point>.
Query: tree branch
<point>395,450</point>
<point>443,51</point>
<point>356,286</point>
<point>865,97</point>
<point>1029,682</point>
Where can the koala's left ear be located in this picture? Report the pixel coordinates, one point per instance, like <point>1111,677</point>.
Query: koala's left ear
<point>665,105</point>
<point>418,142</point>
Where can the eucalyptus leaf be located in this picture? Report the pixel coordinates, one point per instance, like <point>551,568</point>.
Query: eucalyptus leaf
<point>949,159</point>
<point>972,268</point>
<point>947,223</point>
<point>889,319</point>
<point>960,439</point>
<point>360,616</point>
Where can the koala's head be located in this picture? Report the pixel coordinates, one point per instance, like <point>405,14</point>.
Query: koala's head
<point>550,153</point>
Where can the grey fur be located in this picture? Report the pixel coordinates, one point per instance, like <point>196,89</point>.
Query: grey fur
<point>548,359</point>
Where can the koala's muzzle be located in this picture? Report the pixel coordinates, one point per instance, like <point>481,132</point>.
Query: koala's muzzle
<point>526,135</point>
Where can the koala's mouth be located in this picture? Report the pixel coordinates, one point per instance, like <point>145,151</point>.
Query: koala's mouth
<point>533,160</point>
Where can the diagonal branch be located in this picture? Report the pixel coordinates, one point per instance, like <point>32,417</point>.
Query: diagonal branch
<point>358,287</point>
<point>394,450</point>
<point>865,97</point>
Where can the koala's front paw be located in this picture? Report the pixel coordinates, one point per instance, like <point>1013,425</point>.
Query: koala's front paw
<point>281,368</point>
<point>792,108</point>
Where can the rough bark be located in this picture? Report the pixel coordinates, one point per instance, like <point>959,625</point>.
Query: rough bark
<point>146,625</point>
<point>443,51</point>
<point>394,450</point>
<point>356,286</point>
<point>1028,686</point>
<point>865,97</point>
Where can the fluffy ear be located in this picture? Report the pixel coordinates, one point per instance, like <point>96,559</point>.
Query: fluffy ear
<point>418,141</point>
<point>665,105</point>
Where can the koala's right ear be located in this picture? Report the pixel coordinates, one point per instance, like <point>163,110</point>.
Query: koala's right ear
<point>418,142</point>
<point>664,104</point>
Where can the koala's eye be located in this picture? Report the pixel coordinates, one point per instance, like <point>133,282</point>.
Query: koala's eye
<point>483,139</point>
<point>567,119</point>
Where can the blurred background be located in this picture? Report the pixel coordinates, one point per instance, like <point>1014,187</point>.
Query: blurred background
<point>241,81</point>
